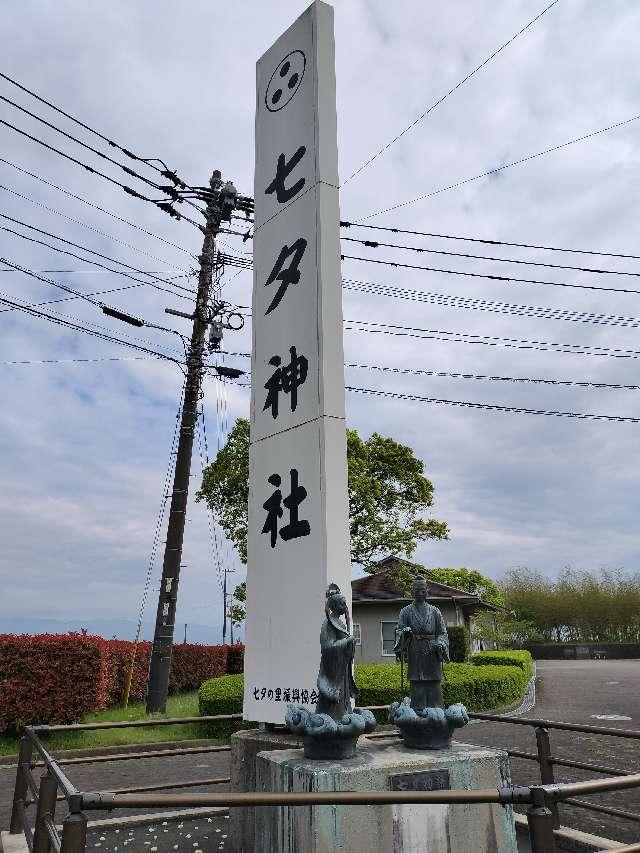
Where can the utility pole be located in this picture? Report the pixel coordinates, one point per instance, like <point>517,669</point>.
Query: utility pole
<point>221,201</point>
<point>224,608</point>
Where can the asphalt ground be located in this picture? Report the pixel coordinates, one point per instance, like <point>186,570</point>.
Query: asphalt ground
<point>571,691</point>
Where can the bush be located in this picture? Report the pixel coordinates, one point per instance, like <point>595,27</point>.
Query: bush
<point>51,678</point>
<point>480,688</point>
<point>518,657</point>
<point>223,696</point>
<point>59,678</point>
<point>235,659</point>
<point>121,651</point>
<point>458,643</point>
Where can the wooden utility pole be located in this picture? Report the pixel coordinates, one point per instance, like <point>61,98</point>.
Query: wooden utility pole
<point>221,200</point>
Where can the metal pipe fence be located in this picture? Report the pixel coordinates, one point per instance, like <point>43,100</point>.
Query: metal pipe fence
<point>542,799</point>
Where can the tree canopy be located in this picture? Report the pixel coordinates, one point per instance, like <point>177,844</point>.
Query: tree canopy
<point>470,580</point>
<point>388,495</point>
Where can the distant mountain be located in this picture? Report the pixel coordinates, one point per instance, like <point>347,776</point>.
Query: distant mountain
<point>122,629</point>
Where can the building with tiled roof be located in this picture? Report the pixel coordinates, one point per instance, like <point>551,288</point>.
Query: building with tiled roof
<point>377,601</point>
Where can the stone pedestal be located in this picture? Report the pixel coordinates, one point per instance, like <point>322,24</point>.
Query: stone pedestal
<point>245,746</point>
<point>383,766</point>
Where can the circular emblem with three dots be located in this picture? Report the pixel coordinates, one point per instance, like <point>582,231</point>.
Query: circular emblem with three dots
<point>285,81</point>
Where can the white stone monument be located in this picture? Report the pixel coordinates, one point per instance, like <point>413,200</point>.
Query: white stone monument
<point>298,537</point>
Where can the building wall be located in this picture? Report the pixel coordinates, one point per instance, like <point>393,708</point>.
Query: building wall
<point>370,615</point>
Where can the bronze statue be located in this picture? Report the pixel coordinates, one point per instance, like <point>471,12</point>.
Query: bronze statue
<point>336,686</point>
<point>423,642</point>
<point>332,732</point>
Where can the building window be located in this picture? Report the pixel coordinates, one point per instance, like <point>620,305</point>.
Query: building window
<point>388,638</point>
<point>357,636</point>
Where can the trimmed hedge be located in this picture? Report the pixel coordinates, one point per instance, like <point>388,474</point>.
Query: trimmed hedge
<point>235,659</point>
<point>480,688</point>
<point>458,643</point>
<point>51,678</point>
<point>58,678</point>
<point>518,657</point>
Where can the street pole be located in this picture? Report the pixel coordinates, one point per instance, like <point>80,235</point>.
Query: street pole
<point>220,200</point>
<point>224,606</point>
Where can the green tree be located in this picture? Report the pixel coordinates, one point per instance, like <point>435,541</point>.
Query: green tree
<point>388,495</point>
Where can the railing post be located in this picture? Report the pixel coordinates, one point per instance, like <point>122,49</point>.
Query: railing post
<point>540,822</point>
<point>46,807</point>
<point>20,791</point>
<point>74,827</point>
<point>546,767</point>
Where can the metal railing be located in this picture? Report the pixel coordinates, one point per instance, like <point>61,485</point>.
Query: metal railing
<point>543,799</point>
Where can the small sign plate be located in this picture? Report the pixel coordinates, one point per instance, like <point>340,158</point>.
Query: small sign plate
<point>423,780</point>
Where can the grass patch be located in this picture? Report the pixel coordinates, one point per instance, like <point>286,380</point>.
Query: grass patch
<point>179,705</point>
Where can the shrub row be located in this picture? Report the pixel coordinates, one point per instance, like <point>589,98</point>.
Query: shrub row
<point>519,657</point>
<point>480,688</point>
<point>58,678</point>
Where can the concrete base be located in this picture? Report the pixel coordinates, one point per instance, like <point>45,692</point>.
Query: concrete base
<point>13,843</point>
<point>382,829</point>
<point>245,746</point>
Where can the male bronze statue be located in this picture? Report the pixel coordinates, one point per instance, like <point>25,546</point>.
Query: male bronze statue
<point>332,732</point>
<point>423,642</point>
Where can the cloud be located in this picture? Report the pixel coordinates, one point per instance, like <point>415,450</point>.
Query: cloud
<point>85,446</point>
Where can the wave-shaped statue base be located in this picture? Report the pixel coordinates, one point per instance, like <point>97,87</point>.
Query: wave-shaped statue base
<point>325,738</point>
<point>428,728</point>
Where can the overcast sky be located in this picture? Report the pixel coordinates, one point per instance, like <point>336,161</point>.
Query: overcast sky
<point>85,445</point>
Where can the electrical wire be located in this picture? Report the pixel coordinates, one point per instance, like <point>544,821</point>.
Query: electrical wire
<point>96,207</point>
<point>485,240</point>
<point>371,327</point>
<point>95,151</point>
<point>86,225</point>
<point>522,410</point>
<point>507,278</point>
<point>374,244</point>
<point>512,309</point>
<point>497,169</point>
<point>213,533</point>
<point>97,263</point>
<point>578,383</point>
<point>81,360</point>
<point>442,98</point>
<point>146,160</point>
<point>62,321</point>
<point>159,520</point>
<point>162,204</point>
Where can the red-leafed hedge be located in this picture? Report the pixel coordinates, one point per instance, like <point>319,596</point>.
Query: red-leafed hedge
<point>51,678</point>
<point>57,678</point>
<point>235,659</point>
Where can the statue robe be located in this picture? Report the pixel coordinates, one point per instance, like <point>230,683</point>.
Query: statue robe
<point>428,643</point>
<point>336,686</point>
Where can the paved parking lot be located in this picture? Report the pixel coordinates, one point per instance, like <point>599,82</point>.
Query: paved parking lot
<point>572,691</point>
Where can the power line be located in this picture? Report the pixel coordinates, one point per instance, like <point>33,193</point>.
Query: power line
<point>85,225</point>
<point>81,360</point>
<point>374,244</point>
<point>162,204</point>
<point>502,168</point>
<point>172,284</point>
<point>93,171</point>
<point>487,241</point>
<point>95,151</point>
<point>130,154</point>
<point>442,98</point>
<point>61,321</point>
<point>512,309</point>
<point>95,206</point>
<point>396,395</point>
<point>488,275</point>
<point>579,383</point>
<point>371,327</point>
